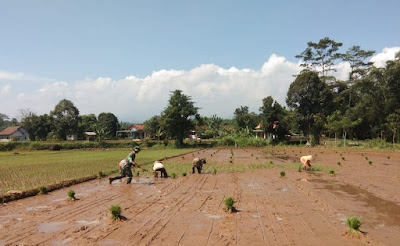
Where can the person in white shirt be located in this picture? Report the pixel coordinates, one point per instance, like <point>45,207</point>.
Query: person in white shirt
<point>306,161</point>
<point>159,167</point>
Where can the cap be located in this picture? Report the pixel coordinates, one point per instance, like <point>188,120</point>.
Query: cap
<point>137,148</point>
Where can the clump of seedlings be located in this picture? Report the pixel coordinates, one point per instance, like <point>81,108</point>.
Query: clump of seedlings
<point>115,211</point>
<point>388,157</point>
<point>339,163</point>
<point>331,172</point>
<point>366,158</point>
<point>183,157</point>
<point>282,173</point>
<point>300,168</point>
<point>214,171</point>
<point>343,158</point>
<point>184,174</point>
<point>354,224</point>
<point>173,175</point>
<point>137,174</point>
<point>229,204</point>
<point>100,174</point>
<point>370,162</point>
<point>71,195</point>
<point>42,190</point>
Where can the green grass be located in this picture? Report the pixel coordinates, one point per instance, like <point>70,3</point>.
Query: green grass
<point>31,169</point>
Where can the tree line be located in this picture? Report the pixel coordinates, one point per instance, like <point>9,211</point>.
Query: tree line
<point>364,106</point>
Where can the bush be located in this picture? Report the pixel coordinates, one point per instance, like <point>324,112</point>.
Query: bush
<point>354,224</point>
<point>229,204</point>
<point>55,147</point>
<point>115,211</point>
<point>379,143</point>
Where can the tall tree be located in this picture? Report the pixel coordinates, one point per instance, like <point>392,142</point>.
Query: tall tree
<point>245,119</point>
<point>108,122</point>
<point>177,118</point>
<point>393,123</point>
<point>321,55</point>
<point>356,57</point>
<point>65,119</point>
<point>312,101</point>
<point>3,118</point>
<point>152,126</point>
<point>272,115</point>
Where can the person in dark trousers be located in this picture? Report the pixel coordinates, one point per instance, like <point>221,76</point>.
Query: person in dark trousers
<point>126,165</point>
<point>159,167</point>
<point>198,163</point>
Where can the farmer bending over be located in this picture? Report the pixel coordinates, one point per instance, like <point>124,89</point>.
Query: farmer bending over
<point>306,161</point>
<point>198,163</point>
<point>125,166</point>
<point>159,167</point>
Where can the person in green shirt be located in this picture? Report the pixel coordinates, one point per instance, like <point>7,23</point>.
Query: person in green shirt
<point>125,166</point>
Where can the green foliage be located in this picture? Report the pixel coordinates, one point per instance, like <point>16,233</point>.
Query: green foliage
<point>65,118</point>
<point>100,174</point>
<point>320,55</point>
<point>214,171</point>
<point>354,223</point>
<point>42,190</point>
<point>177,118</point>
<point>339,163</point>
<point>300,168</point>
<point>331,172</point>
<point>173,175</point>
<point>245,119</point>
<point>184,174</point>
<point>312,100</point>
<point>282,173</point>
<point>71,195</point>
<point>370,162</point>
<point>115,211</point>
<point>229,204</point>
<point>378,143</point>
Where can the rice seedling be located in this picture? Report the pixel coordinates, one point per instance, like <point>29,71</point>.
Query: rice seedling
<point>229,204</point>
<point>42,190</point>
<point>183,158</point>
<point>300,167</point>
<point>366,158</point>
<point>71,195</point>
<point>214,171</point>
<point>343,158</point>
<point>354,224</point>
<point>370,162</point>
<point>331,172</point>
<point>115,211</point>
<point>137,174</point>
<point>388,157</point>
<point>282,173</point>
<point>173,175</point>
<point>184,174</point>
<point>339,163</point>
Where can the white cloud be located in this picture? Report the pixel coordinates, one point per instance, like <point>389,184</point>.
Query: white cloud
<point>4,90</point>
<point>10,76</point>
<point>387,54</point>
<point>215,90</point>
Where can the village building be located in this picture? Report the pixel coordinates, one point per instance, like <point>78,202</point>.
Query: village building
<point>134,131</point>
<point>13,133</point>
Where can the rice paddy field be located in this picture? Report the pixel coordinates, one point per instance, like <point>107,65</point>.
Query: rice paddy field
<point>31,169</point>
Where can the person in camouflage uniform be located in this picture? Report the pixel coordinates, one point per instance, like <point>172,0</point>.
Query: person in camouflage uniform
<point>198,163</point>
<point>126,165</point>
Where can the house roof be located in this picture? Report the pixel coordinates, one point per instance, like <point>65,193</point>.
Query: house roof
<point>9,130</point>
<point>138,127</point>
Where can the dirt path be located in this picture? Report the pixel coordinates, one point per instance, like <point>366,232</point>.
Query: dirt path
<point>303,208</point>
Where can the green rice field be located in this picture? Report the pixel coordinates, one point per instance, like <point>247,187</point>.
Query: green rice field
<point>31,169</point>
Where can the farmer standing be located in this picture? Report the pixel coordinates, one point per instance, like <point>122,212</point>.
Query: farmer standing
<point>125,166</point>
<point>198,163</point>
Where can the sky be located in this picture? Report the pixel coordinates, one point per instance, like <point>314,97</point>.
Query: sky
<point>126,57</point>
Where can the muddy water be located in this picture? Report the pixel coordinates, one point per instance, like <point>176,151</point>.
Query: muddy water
<point>386,212</point>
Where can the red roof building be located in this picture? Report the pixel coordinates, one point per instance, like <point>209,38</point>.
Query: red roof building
<point>13,133</point>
